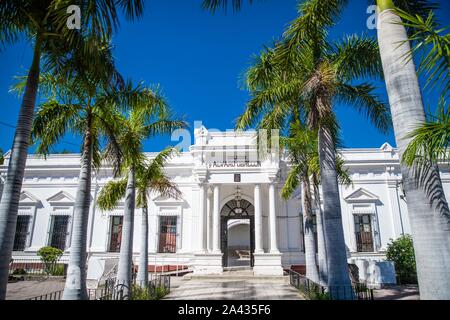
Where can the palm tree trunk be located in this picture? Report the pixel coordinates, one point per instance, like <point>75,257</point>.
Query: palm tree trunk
<point>312,272</point>
<point>124,271</point>
<point>321,246</point>
<point>142,276</point>
<point>75,287</point>
<point>339,284</point>
<point>427,207</point>
<point>9,204</point>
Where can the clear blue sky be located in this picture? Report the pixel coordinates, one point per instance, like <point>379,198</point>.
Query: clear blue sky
<point>198,59</point>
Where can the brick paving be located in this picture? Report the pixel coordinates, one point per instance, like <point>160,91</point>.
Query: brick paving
<point>407,292</point>
<point>232,289</point>
<point>22,290</point>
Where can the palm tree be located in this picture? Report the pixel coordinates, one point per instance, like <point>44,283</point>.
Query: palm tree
<point>147,120</point>
<point>302,149</point>
<point>304,66</point>
<point>149,178</point>
<point>43,22</point>
<point>427,206</point>
<point>300,146</point>
<point>1,157</point>
<point>87,103</point>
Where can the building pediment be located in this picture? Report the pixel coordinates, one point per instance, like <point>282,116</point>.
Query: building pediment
<point>26,198</point>
<point>386,147</point>
<point>61,197</point>
<point>361,195</point>
<point>161,200</point>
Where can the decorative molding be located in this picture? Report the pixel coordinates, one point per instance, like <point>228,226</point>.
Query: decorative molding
<point>61,198</point>
<point>28,199</point>
<point>361,195</point>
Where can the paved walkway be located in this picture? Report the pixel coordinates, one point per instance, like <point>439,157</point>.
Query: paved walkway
<point>407,292</point>
<point>23,290</point>
<point>229,289</point>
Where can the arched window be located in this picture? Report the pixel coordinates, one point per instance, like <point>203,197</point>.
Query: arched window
<point>238,208</point>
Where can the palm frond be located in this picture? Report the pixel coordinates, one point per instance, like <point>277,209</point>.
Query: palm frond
<point>315,16</point>
<point>110,123</point>
<point>420,8</point>
<point>111,194</point>
<point>292,182</point>
<point>213,5</point>
<point>343,173</point>
<point>430,142</point>
<point>362,97</point>
<point>164,126</point>
<point>52,121</point>
<point>433,45</point>
<point>357,57</point>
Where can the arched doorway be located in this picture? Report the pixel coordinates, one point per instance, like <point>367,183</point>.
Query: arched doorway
<point>236,209</point>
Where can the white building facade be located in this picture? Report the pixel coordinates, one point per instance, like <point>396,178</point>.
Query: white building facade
<point>231,213</point>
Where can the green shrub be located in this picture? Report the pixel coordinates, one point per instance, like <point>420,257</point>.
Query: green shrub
<point>50,257</point>
<point>139,293</point>
<point>19,272</point>
<point>58,270</point>
<point>401,252</point>
<point>160,293</point>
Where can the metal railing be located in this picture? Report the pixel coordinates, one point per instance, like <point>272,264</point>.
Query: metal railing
<point>157,287</point>
<point>34,267</point>
<point>315,291</point>
<point>49,296</point>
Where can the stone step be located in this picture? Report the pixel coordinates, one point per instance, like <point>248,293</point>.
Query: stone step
<point>231,276</point>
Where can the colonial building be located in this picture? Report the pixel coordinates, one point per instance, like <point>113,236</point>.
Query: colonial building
<point>231,212</point>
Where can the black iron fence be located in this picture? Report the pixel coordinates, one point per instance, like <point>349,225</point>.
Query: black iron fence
<point>315,291</point>
<point>23,267</point>
<point>57,295</point>
<point>158,286</point>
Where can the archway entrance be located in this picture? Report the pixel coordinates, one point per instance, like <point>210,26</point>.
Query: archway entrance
<point>234,232</point>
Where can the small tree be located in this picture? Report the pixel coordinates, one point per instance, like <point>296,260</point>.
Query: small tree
<point>401,252</point>
<point>50,257</point>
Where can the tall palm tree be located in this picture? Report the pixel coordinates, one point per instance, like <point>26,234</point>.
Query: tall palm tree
<point>304,66</point>
<point>146,120</point>
<point>302,150</point>
<point>43,22</point>
<point>427,206</point>
<point>150,178</point>
<point>87,103</point>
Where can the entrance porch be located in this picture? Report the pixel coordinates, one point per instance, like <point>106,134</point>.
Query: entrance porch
<point>234,233</point>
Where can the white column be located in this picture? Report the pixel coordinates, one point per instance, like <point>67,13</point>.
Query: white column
<point>202,218</point>
<point>258,220</point>
<point>216,220</point>
<point>209,224</point>
<point>272,220</point>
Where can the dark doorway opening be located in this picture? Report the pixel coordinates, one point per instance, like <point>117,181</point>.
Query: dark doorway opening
<point>237,209</point>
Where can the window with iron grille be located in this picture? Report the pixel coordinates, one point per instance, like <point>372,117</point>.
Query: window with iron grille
<point>363,233</point>
<point>20,239</point>
<point>115,233</point>
<point>58,233</point>
<point>167,234</point>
